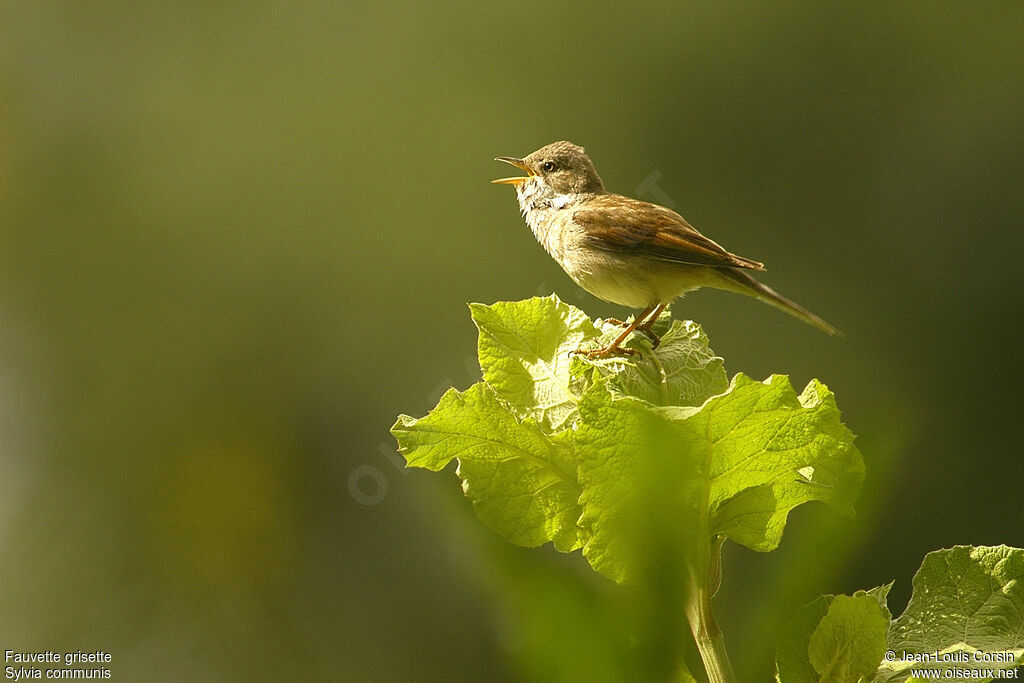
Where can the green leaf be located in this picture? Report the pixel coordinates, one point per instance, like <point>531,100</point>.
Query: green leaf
<point>823,622</point>
<point>636,466</point>
<point>682,371</point>
<point>966,600</point>
<point>793,663</point>
<point>521,480</point>
<point>736,466</point>
<point>525,350</point>
<point>775,450</point>
<point>849,642</point>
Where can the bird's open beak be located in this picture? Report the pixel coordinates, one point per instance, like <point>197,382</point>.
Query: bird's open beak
<point>518,163</point>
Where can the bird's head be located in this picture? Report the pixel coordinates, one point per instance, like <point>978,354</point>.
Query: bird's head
<point>558,169</point>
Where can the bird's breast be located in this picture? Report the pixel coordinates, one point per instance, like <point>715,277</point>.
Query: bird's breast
<point>550,226</point>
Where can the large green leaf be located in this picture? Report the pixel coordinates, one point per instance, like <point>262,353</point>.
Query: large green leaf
<point>637,466</point>
<point>521,480</point>
<point>736,466</point>
<point>774,450</point>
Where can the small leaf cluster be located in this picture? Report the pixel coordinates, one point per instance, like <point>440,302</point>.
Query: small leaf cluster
<point>965,620</point>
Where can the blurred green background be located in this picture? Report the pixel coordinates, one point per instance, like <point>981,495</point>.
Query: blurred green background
<point>236,239</point>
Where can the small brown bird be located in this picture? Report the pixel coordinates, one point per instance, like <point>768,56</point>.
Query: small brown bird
<point>624,250</point>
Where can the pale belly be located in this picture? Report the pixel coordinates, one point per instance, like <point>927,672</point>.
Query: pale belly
<point>628,283</point>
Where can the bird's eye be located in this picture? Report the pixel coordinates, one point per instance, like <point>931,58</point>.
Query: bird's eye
<point>548,166</point>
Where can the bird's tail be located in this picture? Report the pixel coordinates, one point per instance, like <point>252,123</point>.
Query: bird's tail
<point>739,281</point>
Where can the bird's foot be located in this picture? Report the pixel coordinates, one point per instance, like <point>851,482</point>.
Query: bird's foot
<point>606,351</point>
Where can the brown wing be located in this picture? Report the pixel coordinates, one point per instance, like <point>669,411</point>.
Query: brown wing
<point>618,224</point>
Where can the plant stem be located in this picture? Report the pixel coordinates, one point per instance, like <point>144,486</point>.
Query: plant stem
<point>706,633</point>
<point>711,645</point>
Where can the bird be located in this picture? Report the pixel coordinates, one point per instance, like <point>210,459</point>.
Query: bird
<point>623,250</point>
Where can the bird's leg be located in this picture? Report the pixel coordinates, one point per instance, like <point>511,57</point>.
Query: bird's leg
<point>620,323</point>
<point>614,347</point>
<point>647,327</point>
